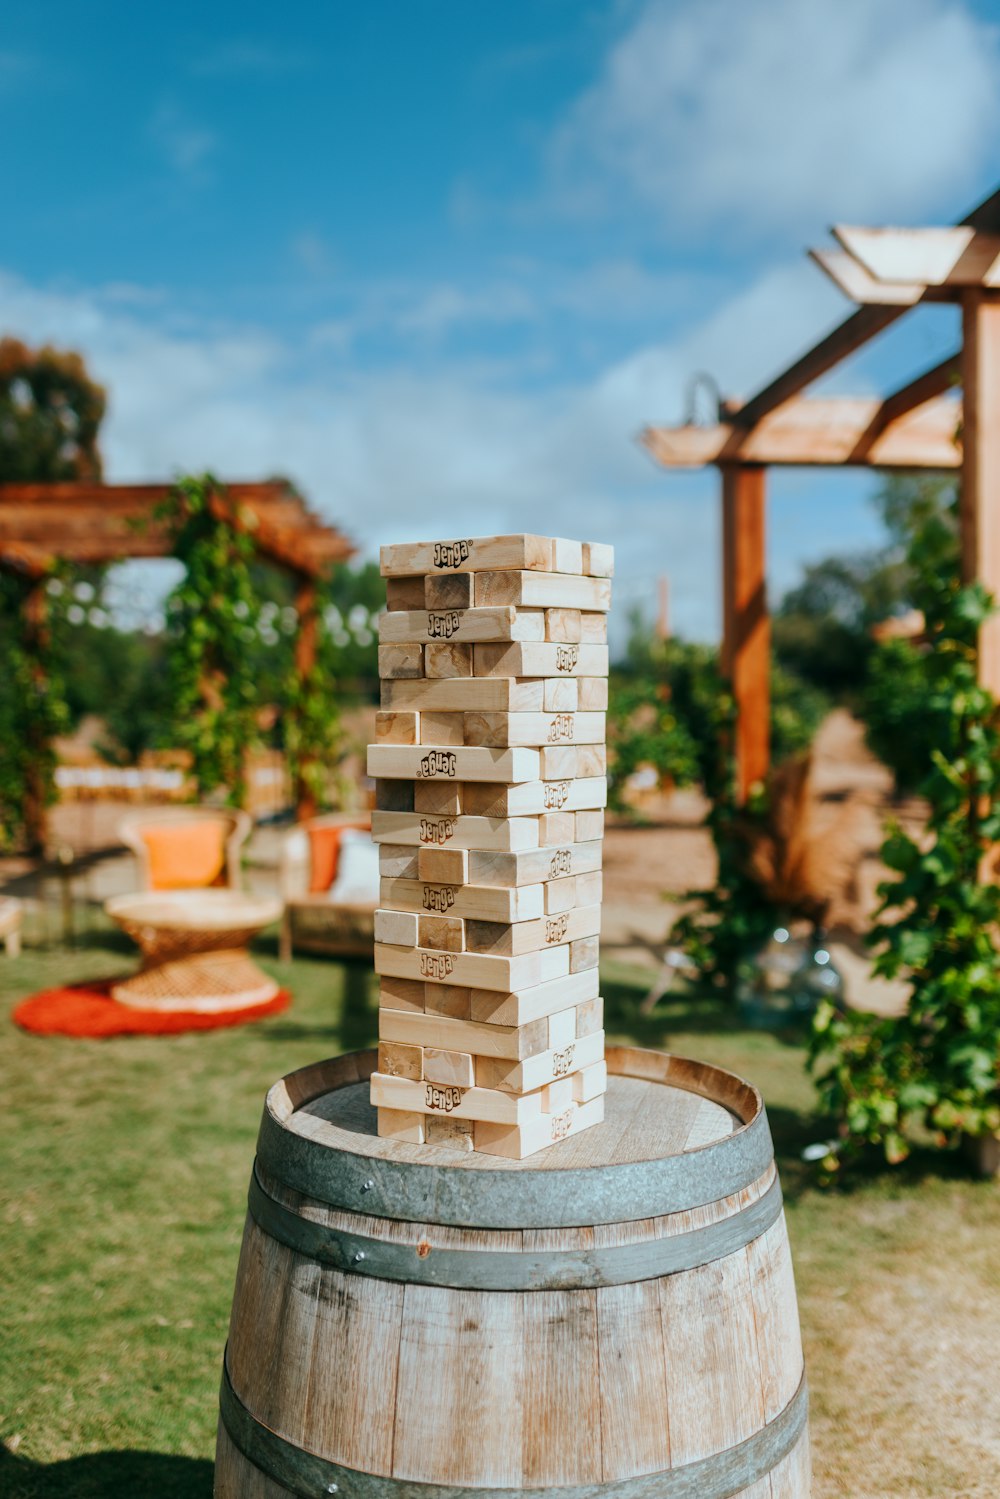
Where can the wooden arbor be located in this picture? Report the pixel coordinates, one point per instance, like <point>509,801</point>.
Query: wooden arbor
<point>925,424</point>
<point>99,523</point>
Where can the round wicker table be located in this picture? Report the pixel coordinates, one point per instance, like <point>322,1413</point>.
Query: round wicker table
<point>193,945</point>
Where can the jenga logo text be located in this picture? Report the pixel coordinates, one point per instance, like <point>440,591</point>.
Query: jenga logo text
<point>438,897</point>
<point>561,729</point>
<point>556,793</point>
<point>561,863</point>
<point>436,829</point>
<point>562,1061</point>
<point>451,553</point>
<point>437,763</point>
<point>566,657</point>
<point>443,626</point>
<point>555,927</point>
<point>561,1124</point>
<point>436,965</point>
<point>446,1099</point>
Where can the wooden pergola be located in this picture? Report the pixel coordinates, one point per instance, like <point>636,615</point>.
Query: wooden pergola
<point>945,418</point>
<point>104,523</point>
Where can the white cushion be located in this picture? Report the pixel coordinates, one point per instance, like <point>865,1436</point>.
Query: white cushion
<point>357,881</point>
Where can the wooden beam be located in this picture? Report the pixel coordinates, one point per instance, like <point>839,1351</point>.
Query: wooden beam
<point>929,386</point>
<point>850,277</point>
<point>959,256</point>
<point>746,626</point>
<point>849,336</point>
<point>841,431</point>
<point>979,513</point>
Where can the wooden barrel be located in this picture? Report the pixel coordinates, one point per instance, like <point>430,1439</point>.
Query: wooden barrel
<point>613,1318</point>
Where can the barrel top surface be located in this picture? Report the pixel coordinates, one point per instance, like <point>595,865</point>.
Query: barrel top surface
<point>676,1133</point>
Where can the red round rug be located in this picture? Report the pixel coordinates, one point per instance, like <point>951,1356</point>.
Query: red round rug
<point>88,1010</point>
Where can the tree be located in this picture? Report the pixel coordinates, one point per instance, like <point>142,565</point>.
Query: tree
<point>50,415</point>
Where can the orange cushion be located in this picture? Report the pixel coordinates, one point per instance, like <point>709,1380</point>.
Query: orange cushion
<point>185,855</point>
<point>324,853</point>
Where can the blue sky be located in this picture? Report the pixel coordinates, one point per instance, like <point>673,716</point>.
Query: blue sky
<point>438,262</point>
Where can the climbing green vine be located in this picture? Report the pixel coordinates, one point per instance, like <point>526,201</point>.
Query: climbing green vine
<point>212,625</point>
<point>33,706</point>
<point>934,1069</point>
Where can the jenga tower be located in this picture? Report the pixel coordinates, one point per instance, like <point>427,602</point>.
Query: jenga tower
<point>490,773</point>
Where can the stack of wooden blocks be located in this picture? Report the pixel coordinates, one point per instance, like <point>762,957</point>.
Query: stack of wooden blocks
<point>490,773</point>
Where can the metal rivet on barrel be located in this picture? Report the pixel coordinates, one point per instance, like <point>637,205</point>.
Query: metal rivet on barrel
<point>359,1257</point>
<point>333,1488</point>
<point>366,1186</point>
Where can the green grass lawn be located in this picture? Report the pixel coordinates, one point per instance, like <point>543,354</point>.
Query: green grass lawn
<point>124,1167</point>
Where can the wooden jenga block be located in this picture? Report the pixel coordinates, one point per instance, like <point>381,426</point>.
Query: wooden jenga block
<point>540,1068</point>
<point>395,796</point>
<point>499,833</point>
<point>532,798</point>
<point>558,1095</point>
<point>444,658</point>
<point>397,862</point>
<point>592,694</point>
<point>507,730</point>
<point>398,1124</point>
<point>533,590</point>
<point>534,866</point>
<point>480,902</point>
<point>476,970</point>
<point>540,659</point>
<point>461,694</point>
<point>593,629</point>
<point>452,1100</point>
<point>401,661</point>
<point>404,593</point>
<point>589,826</point>
<point>440,798</point>
<point>470,554</point>
<point>518,1141</point>
<point>441,933</point>
<point>402,994</point>
<point>532,1003</point>
<point>555,828</point>
<point>442,728</point>
<point>411,762</point>
<point>563,625</point>
<point>398,1060</point>
<point>567,556</point>
<point>589,1016</point>
<point>396,927</point>
<point>447,866</point>
<point>559,694</point>
<point>507,1043</point>
<point>565,761</point>
<point>583,954</point>
<point>590,1082</point>
<point>559,896</point>
<point>528,936</point>
<point>456,1134</point>
<point>590,888</point>
<point>448,1001</point>
<point>448,1067</point>
<point>500,624</point>
<point>598,559</point>
<point>397,728</point>
<point>447,591</point>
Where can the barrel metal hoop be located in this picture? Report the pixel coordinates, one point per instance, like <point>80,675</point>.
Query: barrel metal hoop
<point>416,1192</point>
<point>719,1476</point>
<point>512,1270</point>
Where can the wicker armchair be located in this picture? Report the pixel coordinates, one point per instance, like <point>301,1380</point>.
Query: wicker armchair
<point>236,830</point>
<point>312,921</point>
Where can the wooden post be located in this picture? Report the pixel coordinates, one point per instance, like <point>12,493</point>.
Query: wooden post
<point>305,665</point>
<point>36,793</point>
<point>980,494</point>
<point>746,628</point>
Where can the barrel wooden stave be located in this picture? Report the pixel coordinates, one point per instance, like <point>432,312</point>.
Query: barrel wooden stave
<point>510,1390</point>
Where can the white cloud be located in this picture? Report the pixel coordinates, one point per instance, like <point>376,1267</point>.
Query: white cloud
<point>392,456</point>
<point>776,118</point>
<point>185,145</point>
